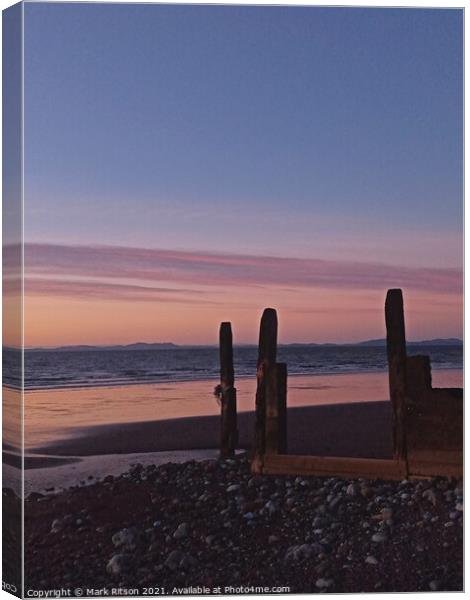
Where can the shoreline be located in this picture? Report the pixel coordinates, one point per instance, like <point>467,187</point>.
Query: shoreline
<point>352,429</point>
<point>326,426</point>
<point>242,378</point>
<point>53,415</point>
<point>362,429</point>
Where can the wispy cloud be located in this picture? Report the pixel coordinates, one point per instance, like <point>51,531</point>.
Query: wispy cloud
<point>109,291</point>
<point>47,267</point>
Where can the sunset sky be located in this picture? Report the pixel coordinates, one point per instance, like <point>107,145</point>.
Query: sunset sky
<point>187,165</point>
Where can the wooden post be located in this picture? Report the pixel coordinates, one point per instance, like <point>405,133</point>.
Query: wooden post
<point>228,393</point>
<point>276,409</point>
<point>418,379</point>
<point>267,351</point>
<point>396,353</point>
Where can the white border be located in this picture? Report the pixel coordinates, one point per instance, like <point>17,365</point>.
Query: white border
<point>352,3</point>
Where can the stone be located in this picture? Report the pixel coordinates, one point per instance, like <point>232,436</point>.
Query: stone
<point>371,560</point>
<point>323,583</point>
<point>270,508</point>
<point>352,489</point>
<point>298,553</point>
<point>379,537</point>
<point>430,495</point>
<point>119,564</point>
<point>57,526</point>
<point>130,539</point>
<point>187,562</point>
<point>181,532</point>
<point>173,560</point>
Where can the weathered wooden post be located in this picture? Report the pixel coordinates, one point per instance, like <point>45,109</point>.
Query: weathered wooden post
<point>418,379</point>
<point>267,351</point>
<point>396,353</point>
<point>276,409</point>
<point>228,393</point>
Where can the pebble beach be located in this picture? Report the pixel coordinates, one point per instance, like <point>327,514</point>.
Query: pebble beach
<point>197,526</point>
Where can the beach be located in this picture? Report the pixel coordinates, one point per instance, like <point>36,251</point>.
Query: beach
<point>342,415</point>
<point>199,525</point>
<point>182,518</point>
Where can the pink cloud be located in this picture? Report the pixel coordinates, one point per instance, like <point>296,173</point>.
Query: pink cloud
<point>110,291</point>
<point>215,269</point>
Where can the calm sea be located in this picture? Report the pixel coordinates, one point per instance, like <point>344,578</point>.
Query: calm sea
<point>75,369</point>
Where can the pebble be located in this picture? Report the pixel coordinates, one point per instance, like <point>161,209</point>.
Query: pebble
<point>130,538</point>
<point>57,526</point>
<point>181,532</point>
<point>298,553</point>
<point>174,559</point>
<point>430,495</point>
<point>191,527</point>
<point>270,508</point>
<point>352,489</point>
<point>323,583</point>
<point>119,564</point>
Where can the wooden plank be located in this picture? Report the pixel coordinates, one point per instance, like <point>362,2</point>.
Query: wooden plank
<point>228,393</point>
<point>436,425</point>
<point>396,353</point>
<point>436,463</point>
<point>418,379</point>
<point>439,456</point>
<point>267,351</point>
<point>276,409</point>
<point>332,466</point>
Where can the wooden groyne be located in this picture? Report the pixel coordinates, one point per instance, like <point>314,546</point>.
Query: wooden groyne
<point>227,393</point>
<point>427,423</point>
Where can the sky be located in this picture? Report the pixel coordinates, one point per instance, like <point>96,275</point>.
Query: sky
<point>191,164</point>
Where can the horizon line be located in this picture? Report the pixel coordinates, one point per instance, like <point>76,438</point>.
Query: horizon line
<point>457,340</point>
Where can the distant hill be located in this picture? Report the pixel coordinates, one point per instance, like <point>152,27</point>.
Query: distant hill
<point>435,342</point>
<point>136,346</point>
<point>379,343</point>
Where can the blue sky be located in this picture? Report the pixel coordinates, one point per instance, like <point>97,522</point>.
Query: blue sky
<point>201,162</point>
<point>163,125</point>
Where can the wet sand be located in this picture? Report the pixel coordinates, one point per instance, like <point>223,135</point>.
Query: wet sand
<point>52,415</point>
<point>353,429</point>
<point>79,435</point>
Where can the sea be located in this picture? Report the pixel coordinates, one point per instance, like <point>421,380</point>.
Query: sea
<point>57,369</point>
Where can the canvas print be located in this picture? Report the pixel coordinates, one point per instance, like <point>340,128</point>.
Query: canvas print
<point>232,299</point>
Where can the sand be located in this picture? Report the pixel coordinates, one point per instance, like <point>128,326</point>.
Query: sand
<point>84,452</point>
<point>353,429</point>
